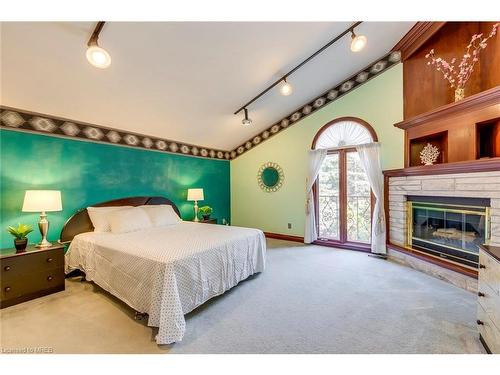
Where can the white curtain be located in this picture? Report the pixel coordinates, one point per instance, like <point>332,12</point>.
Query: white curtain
<point>369,154</point>
<point>316,158</point>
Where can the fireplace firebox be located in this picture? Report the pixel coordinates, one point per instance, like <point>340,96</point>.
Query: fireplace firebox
<point>449,227</point>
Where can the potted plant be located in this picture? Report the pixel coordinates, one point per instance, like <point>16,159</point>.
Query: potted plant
<point>206,211</point>
<point>20,233</point>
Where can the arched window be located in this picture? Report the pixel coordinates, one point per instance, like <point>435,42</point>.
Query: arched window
<point>343,199</point>
<point>344,132</point>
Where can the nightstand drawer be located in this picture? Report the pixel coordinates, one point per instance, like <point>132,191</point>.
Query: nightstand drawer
<point>34,282</point>
<point>14,267</point>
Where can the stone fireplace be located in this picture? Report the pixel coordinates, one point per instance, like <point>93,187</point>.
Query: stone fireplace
<point>457,210</point>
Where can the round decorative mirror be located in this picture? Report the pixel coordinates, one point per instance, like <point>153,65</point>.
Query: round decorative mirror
<point>270,177</point>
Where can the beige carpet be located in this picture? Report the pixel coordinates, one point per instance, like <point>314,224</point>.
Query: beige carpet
<point>311,299</point>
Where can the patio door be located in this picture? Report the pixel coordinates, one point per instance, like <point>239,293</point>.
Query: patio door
<point>343,200</point>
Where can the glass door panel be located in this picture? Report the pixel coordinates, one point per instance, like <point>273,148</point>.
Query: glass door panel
<point>358,200</point>
<point>328,198</point>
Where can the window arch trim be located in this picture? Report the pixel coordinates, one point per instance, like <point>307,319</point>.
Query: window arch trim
<point>361,122</point>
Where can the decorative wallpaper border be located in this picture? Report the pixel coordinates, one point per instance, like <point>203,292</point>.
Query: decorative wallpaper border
<point>331,95</point>
<point>17,119</point>
<point>22,120</point>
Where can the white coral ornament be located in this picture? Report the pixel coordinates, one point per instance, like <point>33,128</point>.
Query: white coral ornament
<point>429,154</point>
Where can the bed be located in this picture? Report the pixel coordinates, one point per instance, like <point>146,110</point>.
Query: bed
<point>167,271</point>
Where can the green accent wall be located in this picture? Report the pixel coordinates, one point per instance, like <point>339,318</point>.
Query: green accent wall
<point>89,173</point>
<point>379,102</point>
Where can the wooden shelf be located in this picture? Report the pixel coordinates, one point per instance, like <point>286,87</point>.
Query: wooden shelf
<point>474,102</point>
<point>439,140</point>
<point>483,165</point>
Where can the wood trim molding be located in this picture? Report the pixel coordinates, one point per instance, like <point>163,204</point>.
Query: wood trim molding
<point>32,122</point>
<point>284,237</point>
<point>427,258</point>
<point>416,37</point>
<point>482,165</point>
<point>480,100</point>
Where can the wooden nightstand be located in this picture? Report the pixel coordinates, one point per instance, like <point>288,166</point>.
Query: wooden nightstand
<point>209,221</point>
<point>30,274</point>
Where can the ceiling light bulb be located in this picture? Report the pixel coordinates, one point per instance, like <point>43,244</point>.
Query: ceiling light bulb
<point>246,121</point>
<point>358,42</point>
<point>98,57</point>
<point>286,88</point>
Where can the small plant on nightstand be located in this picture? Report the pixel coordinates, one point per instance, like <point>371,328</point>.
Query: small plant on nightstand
<point>206,211</point>
<point>20,235</point>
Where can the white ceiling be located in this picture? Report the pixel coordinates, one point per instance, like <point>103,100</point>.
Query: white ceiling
<point>180,81</point>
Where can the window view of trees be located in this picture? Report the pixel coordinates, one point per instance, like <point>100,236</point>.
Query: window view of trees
<point>358,203</point>
<point>329,198</point>
<point>358,200</point>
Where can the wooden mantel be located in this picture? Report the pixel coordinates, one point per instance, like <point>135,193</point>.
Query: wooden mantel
<point>462,107</point>
<point>485,165</point>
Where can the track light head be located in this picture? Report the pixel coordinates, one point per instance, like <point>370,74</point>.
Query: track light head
<point>96,55</point>
<point>286,88</point>
<point>246,121</point>
<point>358,42</point>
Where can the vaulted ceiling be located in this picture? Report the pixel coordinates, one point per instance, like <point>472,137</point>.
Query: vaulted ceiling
<point>180,81</point>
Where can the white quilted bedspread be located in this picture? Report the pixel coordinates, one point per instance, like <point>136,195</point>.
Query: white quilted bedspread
<point>169,271</point>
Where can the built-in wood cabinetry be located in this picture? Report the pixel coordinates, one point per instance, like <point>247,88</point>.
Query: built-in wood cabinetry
<point>424,87</point>
<point>488,310</point>
<point>465,130</point>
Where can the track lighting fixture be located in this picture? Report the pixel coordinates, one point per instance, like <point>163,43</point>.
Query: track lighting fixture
<point>286,88</point>
<point>358,42</point>
<point>246,121</point>
<point>96,55</point>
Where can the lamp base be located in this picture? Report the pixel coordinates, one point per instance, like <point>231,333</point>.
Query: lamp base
<point>43,225</point>
<point>196,211</point>
<point>44,243</point>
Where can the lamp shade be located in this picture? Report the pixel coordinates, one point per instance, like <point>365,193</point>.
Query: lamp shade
<point>195,195</point>
<point>42,200</point>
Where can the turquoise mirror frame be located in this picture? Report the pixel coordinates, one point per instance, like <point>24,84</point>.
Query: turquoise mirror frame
<point>270,177</point>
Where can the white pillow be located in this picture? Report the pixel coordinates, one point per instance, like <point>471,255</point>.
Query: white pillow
<point>129,220</point>
<point>161,215</point>
<point>99,217</point>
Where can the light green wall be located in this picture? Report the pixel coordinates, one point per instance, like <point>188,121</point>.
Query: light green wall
<point>379,102</point>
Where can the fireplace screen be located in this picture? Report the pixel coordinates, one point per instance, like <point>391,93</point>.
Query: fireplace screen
<point>449,231</point>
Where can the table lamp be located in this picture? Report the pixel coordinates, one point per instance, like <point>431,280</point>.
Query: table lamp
<point>42,201</point>
<point>195,195</point>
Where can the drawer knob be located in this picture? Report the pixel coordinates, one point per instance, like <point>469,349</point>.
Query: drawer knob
<point>49,260</point>
<point>7,268</point>
<point>480,294</point>
<point>480,322</point>
<point>482,266</point>
<point>7,288</point>
<point>49,278</point>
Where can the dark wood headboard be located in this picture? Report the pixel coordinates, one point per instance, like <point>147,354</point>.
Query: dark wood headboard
<point>80,221</point>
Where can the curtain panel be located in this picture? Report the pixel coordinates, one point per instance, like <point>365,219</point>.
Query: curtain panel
<point>316,158</point>
<point>369,154</point>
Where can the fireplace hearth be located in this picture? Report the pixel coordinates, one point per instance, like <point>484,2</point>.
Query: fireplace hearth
<point>448,227</point>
